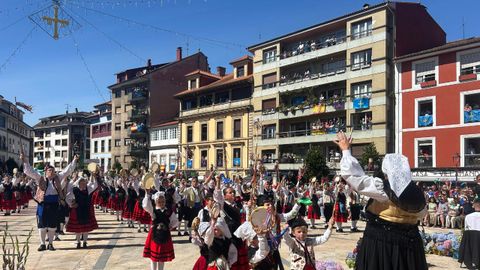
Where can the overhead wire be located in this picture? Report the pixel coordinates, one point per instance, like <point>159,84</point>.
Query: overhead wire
<point>17,49</point>
<point>79,52</point>
<point>220,43</point>
<point>143,60</point>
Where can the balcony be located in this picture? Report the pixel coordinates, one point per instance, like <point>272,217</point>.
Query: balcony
<point>215,108</point>
<point>137,115</point>
<point>315,136</point>
<point>137,134</point>
<point>320,50</point>
<point>469,73</point>
<point>138,149</point>
<point>308,80</point>
<point>138,95</point>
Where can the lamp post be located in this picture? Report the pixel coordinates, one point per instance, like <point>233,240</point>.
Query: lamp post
<point>456,161</point>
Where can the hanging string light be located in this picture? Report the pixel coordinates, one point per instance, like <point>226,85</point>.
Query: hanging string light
<point>17,50</point>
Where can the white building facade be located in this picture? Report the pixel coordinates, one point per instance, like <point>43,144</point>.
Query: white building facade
<point>101,136</point>
<point>164,146</point>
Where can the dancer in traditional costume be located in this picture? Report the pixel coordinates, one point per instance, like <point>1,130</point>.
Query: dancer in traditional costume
<point>48,197</point>
<point>302,255</point>
<point>9,202</point>
<point>470,245</point>
<point>258,248</point>
<point>391,239</point>
<point>141,216</point>
<point>222,253</point>
<point>159,246</point>
<point>82,215</point>
<point>130,202</point>
<point>340,212</point>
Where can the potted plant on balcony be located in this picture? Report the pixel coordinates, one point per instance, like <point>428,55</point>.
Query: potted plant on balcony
<point>283,109</point>
<point>338,102</point>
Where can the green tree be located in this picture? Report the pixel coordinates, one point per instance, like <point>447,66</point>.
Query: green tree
<point>315,164</point>
<point>370,151</point>
<point>117,166</point>
<point>40,166</point>
<point>133,164</point>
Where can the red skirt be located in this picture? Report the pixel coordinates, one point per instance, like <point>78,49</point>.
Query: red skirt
<point>339,217</point>
<point>139,214</point>
<point>242,259</point>
<point>158,252</point>
<point>95,197</point>
<point>29,196</point>
<point>313,213</point>
<point>9,204</point>
<point>200,264</point>
<point>73,225</point>
<point>126,213</point>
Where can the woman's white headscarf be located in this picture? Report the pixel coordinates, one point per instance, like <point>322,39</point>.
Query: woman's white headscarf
<point>397,169</point>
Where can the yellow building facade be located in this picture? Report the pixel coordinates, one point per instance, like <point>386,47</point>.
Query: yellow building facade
<point>215,120</point>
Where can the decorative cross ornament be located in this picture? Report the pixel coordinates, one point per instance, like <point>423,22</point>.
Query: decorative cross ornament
<point>55,20</point>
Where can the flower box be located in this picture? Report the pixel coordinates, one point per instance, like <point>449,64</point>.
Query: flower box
<point>467,77</point>
<point>428,84</point>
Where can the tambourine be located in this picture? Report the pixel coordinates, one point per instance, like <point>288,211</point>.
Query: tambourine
<point>215,211</point>
<point>148,180</point>
<point>92,167</point>
<point>134,172</point>
<point>15,171</point>
<point>155,167</point>
<point>262,220</point>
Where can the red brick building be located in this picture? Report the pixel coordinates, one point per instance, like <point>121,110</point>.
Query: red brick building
<point>438,108</point>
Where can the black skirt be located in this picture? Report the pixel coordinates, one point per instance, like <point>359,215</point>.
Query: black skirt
<point>47,215</point>
<point>470,249</point>
<point>393,246</point>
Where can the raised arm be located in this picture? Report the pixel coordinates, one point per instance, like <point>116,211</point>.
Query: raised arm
<point>69,169</point>
<point>30,172</point>
<point>290,215</point>
<point>147,205</point>
<point>263,250</point>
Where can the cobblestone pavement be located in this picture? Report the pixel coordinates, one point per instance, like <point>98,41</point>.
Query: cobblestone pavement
<point>114,246</point>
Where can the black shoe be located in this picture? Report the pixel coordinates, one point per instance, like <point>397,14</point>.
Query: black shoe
<point>18,211</point>
<point>119,220</point>
<point>145,230</point>
<point>78,245</point>
<point>50,247</point>
<point>139,230</point>
<point>6,214</point>
<point>354,230</point>
<point>84,244</point>
<point>179,233</point>
<point>339,230</point>
<point>326,226</point>
<point>313,227</point>
<point>185,233</point>
<point>42,248</point>
<point>13,211</point>
<point>56,238</point>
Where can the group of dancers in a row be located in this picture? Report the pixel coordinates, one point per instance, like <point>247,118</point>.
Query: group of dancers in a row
<point>222,217</point>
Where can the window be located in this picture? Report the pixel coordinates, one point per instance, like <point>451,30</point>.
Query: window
<point>206,100</point>
<point>268,156</point>
<point>236,157</point>
<point>424,152</point>
<point>118,126</point>
<point>95,146</point>
<point>189,134</point>
<point>109,145</point>
<point>57,153</point>
<point>269,55</point>
<point>361,59</point>
<point>117,93</point>
<point>128,107</point>
<point>240,71</point>
<point>268,132</point>
<point>64,131</point>
<point>118,143</point>
<point>2,123</point>
<point>361,29</point>
<point>222,97</point>
<point>64,154</point>
<point>47,144</point>
<point>425,72</point>
<point>470,63</point>
<point>173,133</point>
<point>127,125</point>
<point>269,105</point>
<point>64,142</point>
<point>471,106</point>
<point>362,89</point>
<point>237,128</point>
<point>219,157</point>
<point>219,130</point>
<point>269,80</point>
<point>189,104</point>
<point>47,154</point>
<point>58,142</point>
<point>154,135</point>
<point>471,153</point>
<point>204,132</point>
<point>204,158</point>
<point>118,110</point>
<point>361,121</point>
<point>173,162</point>
<point>163,160</point>
<point>425,112</point>
<point>102,146</point>
<point>58,131</point>
<point>193,84</point>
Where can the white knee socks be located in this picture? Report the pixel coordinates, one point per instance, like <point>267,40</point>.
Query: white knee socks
<point>42,233</point>
<point>51,234</point>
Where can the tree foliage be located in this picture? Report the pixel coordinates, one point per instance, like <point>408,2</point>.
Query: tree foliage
<point>315,164</point>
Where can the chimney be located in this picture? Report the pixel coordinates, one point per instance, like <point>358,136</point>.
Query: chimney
<point>149,63</point>
<point>366,6</point>
<point>179,53</point>
<point>76,110</point>
<point>220,71</point>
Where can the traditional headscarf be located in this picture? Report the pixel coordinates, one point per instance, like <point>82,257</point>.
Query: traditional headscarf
<point>397,169</point>
<point>222,225</point>
<point>158,195</point>
<point>245,232</point>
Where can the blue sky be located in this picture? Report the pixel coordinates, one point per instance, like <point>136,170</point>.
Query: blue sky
<point>49,74</point>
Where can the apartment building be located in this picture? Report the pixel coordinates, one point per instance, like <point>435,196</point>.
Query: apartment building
<point>101,135</point>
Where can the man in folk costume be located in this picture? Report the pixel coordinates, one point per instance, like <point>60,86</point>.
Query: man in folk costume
<point>171,195</point>
<point>470,245</point>
<point>231,213</point>
<point>391,239</point>
<point>194,196</point>
<point>49,196</point>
